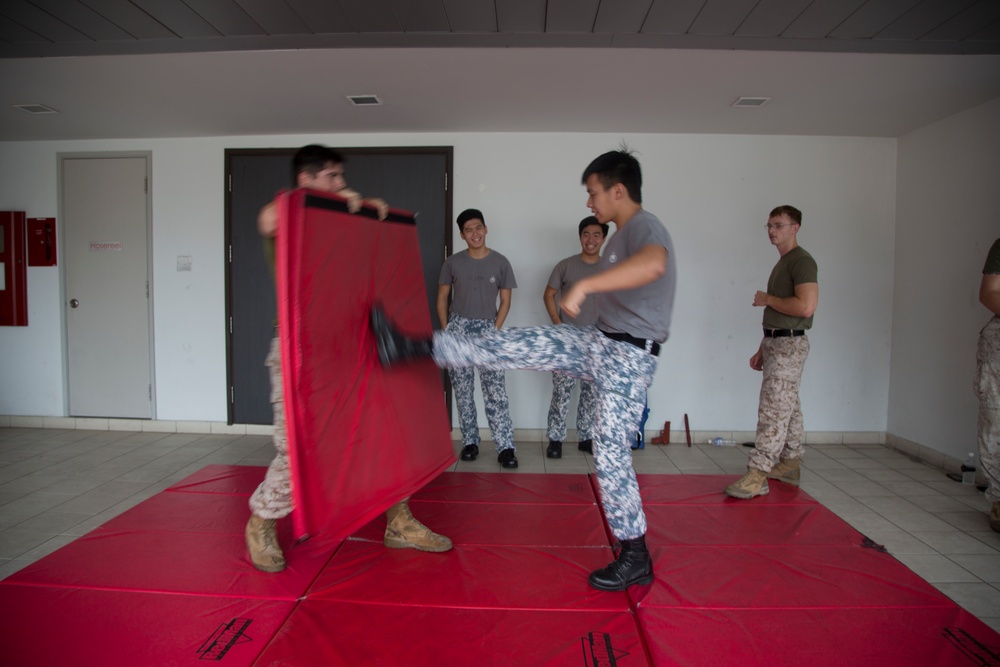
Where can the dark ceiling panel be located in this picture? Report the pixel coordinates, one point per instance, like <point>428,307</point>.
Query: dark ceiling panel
<point>471,15</point>
<point>571,15</point>
<point>178,17</point>
<point>130,18</point>
<point>15,33</point>
<point>521,15</point>
<point>83,18</point>
<point>821,18</point>
<point>420,15</point>
<point>924,18</point>
<point>770,18</point>
<point>968,23</point>
<point>276,18</point>
<point>672,18</point>
<point>990,32</point>
<point>227,17</point>
<point>622,15</point>
<point>722,17</point>
<point>322,16</point>
<point>43,23</point>
<point>370,15</point>
<point>872,18</point>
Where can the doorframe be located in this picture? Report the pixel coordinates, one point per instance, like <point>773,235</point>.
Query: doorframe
<point>447,151</point>
<point>61,158</point>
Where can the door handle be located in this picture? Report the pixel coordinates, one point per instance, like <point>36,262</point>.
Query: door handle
<point>73,303</point>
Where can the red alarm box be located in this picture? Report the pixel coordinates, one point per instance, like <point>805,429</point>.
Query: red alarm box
<point>41,241</point>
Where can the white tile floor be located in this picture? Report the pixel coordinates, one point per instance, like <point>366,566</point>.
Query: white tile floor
<point>56,485</point>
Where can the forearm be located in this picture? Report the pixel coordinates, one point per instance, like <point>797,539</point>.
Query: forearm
<point>502,311</point>
<point>793,306</point>
<point>640,269</point>
<point>550,305</point>
<point>442,305</point>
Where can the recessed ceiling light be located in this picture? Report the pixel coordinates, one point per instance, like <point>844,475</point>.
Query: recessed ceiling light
<point>751,102</point>
<point>365,100</point>
<point>34,108</point>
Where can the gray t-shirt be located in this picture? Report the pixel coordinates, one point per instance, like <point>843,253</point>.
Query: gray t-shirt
<point>475,283</point>
<point>567,272</point>
<point>643,312</point>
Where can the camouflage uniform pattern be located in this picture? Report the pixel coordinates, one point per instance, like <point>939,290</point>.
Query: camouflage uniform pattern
<point>562,390</point>
<point>987,386</point>
<point>494,388</point>
<point>621,374</point>
<point>273,498</point>
<point>779,415</point>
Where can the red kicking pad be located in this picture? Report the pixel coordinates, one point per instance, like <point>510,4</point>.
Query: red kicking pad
<point>237,480</point>
<point>710,490</point>
<point>192,563</point>
<point>939,636</point>
<point>513,525</point>
<point>46,627</point>
<point>782,577</point>
<point>473,487</point>
<point>467,576</point>
<point>360,437</point>
<point>746,522</point>
<point>340,633</point>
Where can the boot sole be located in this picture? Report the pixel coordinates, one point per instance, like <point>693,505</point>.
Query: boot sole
<point>747,496</point>
<point>648,579</point>
<point>270,569</point>
<point>403,544</point>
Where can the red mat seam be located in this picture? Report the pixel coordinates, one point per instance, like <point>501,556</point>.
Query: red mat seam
<point>193,594</point>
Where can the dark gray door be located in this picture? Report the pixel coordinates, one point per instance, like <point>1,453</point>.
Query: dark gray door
<point>414,179</point>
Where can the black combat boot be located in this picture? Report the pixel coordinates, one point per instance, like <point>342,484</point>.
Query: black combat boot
<point>633,566</point>
<point>394,347</point>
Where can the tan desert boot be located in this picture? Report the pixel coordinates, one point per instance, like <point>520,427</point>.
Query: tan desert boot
<point>262,543</point>
<point>787,471</point>
<point>402,531</point>
<point>754,483</point>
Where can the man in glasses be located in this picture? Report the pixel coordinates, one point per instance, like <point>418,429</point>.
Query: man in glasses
<point>789,304</point>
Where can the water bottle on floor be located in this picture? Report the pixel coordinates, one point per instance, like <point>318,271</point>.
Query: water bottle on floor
<point>969,469</point>
<point>721,442</point>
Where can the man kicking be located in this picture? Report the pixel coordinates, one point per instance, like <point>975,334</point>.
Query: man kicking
<point>635,295</point>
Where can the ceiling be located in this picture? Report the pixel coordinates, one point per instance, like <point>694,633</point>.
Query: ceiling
<point>172,68</point>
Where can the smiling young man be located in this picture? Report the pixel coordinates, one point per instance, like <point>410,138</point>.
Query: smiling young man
<point>635,293</point>
<point>476,279</point>
<point>789,304</point>
<point>564,275</point>
<point>318,168</point>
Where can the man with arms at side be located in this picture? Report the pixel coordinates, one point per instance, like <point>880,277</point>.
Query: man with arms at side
<point>988,383</point>
<point>476,279</point>
<point>564,275</point>
<point>789,304</point>
<point>319,168</point>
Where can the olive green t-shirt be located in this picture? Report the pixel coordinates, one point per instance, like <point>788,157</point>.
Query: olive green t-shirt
<point>993,259</point>
<point>796,267</point>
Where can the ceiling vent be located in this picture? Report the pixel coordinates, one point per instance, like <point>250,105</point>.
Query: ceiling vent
<point>35,108</point>
<point>751,102</point>
<point>365,100</point>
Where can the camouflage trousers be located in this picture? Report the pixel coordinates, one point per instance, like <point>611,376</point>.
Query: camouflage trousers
<point>988,390</point>
<point>273,498</point>
<point>621,374</point>
<point>779,414</point>
<point>494,387</point>
<point>562,390</point>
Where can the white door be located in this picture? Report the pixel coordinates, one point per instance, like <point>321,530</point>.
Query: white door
<point>105,232</point>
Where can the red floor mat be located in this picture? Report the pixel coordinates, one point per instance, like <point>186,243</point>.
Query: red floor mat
<point>72,627</point>
<point>938,637</point>
<point>518,524</point>
<point>708,490</point>
<point>748,583</point>
<point>375,635</point>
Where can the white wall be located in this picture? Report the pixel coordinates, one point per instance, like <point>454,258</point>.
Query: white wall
<point>948,207</point>
<point>712,192</point>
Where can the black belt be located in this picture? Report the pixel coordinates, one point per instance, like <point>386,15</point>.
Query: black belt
<point>650,346</point>
<point>783,333</point>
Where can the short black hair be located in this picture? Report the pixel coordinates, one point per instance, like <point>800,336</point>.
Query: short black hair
<point>794,214</point>
<point>592,220</point>
<point>469,214</point>
<point>313,159</point>
<point>618,166</point>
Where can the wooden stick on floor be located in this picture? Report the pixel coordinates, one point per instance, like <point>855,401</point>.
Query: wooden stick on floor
<point>687,429</point>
